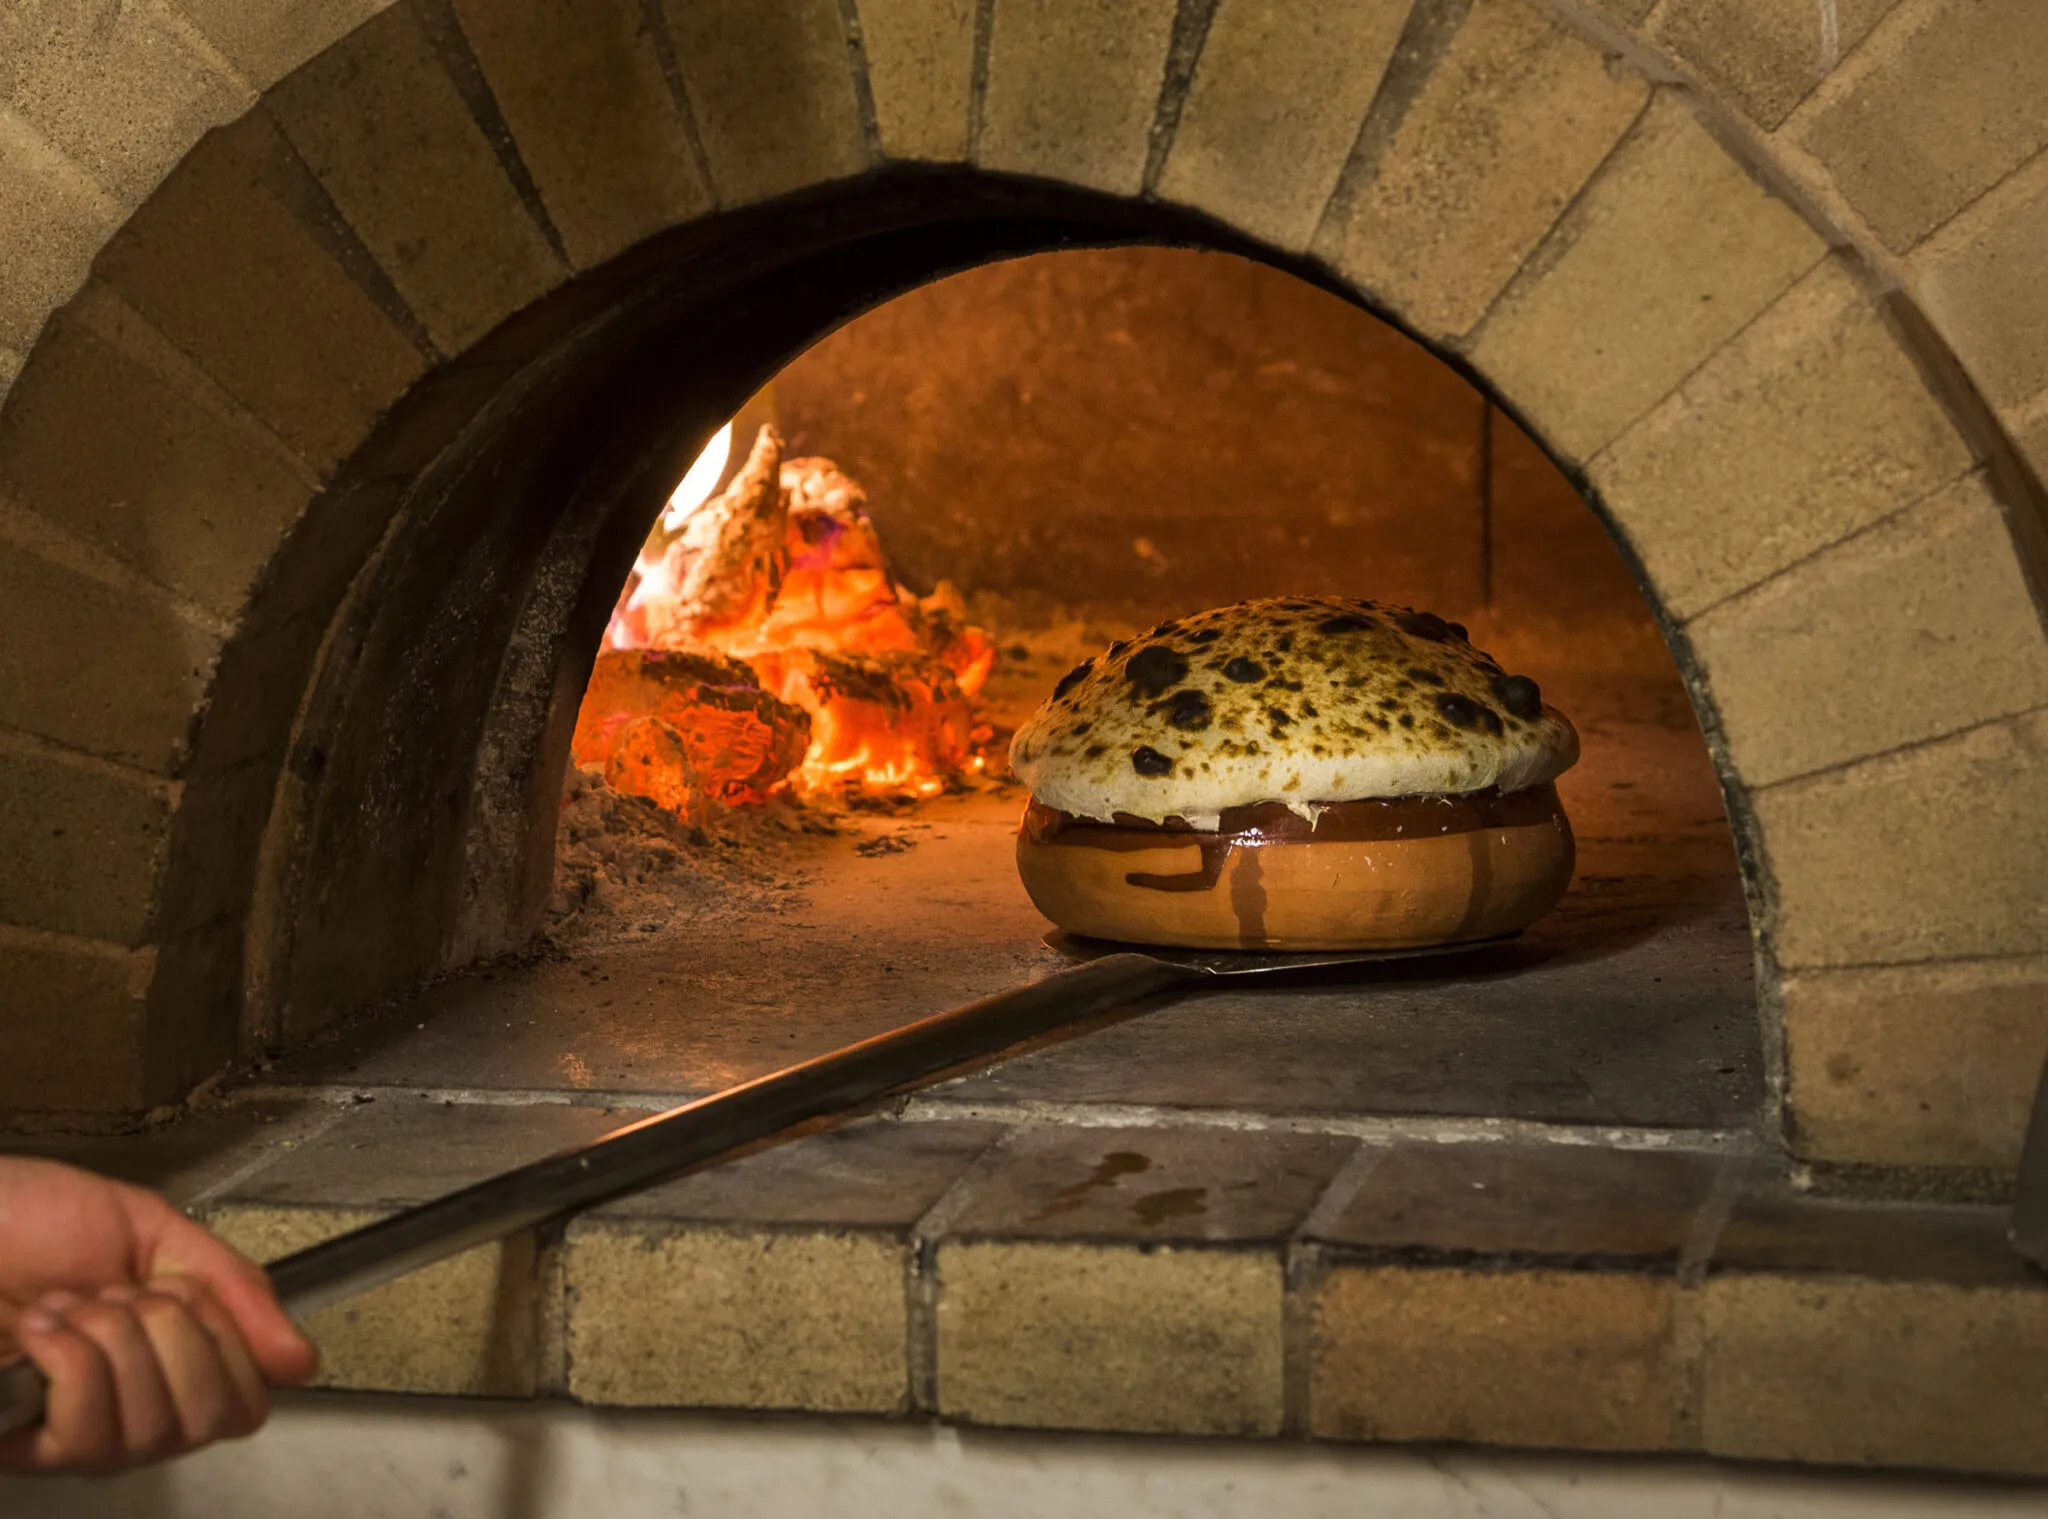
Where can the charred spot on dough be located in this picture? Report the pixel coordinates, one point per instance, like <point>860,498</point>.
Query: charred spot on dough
<point>1244,671</point>
<point>1072,678</point>
<point>1148,761</point>
<point>1427,677</point>
<point>1308,708</point>
<point>1520,695</point>
<point>1407,719</point>
<point>1458,632</point>
<point>1207,635</point>
<point>1095,751</point>
<point>1155,669</point>
<point>1344,622</point>
<point>1424,625</point>
<point>1463,712</point>
<point>1186,709</point>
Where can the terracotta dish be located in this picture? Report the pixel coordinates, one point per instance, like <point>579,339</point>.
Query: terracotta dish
<point>1305,773</point>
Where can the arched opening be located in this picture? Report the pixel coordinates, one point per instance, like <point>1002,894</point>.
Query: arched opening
<point>419,831</point>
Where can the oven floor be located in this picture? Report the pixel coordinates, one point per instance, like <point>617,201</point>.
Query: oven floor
<point>1632,1005</point>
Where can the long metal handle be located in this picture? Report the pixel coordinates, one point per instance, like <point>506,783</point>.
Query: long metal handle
<point>2028,1230</point>
<point>656,1148</point>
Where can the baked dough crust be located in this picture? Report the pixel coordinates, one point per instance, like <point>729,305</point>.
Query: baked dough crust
<point>1303,701</point>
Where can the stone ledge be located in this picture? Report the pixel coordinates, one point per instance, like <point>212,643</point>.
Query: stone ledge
<point>1552,1295</point>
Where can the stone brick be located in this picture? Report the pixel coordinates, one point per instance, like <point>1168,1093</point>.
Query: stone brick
<point>1821,1367</point>
<point>921,71</point>
<point>220,262</point>
<point>1942,105</point>
<point>118,88</point>
<point>74,1024</point>
<point>1273,111</point>
<point>379,121</point>
<point>84,843</point>
<point>775,1280</point>
<point>2029,427</point>
<point>1920,626</point>
<point>399,1150</point>
<point>865,1175</point>
<point>1152,1185</point>
<point>1125,1279</point>
<point>184,1159</point>
<point>110,447</point>
<point>581,88</point>
<point>1770,1227</point>
<point>194,1029</point>
<point>1117,1337</point>
<point>1669,252</point>
<point>1570,1203</point>
<point>1073,86</point>
<point>1936,852</point>
<point>697,1317</point>
<point>464,1326</point>
<point>215,844</point>
<point>131,673</point>
<point>1558,1358</point>
<point>771,84</point>
<point>1980,281</point>
<point>1915,1065</point>
<point>1811,424</point>
<point>1514,119</point>
<point>1764,54</point>
<point>56,219</point>
<point>265,42</point>
<point>328,548</point>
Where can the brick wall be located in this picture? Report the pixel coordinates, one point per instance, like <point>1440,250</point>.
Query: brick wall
<point>1765,281</point>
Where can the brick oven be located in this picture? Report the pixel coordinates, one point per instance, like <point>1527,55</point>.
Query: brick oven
<point>1691,354</point>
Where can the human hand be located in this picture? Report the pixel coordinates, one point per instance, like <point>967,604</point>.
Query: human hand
<point>156,1337</point>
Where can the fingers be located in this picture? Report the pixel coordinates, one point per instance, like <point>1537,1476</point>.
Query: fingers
<point>136,1375</point>
<point>148,1423</point>
<point>180,1248</point>
<point>81,1419</point>
<point>245,1383</point>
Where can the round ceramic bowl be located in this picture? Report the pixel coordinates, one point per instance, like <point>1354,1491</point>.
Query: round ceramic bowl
<point>1373,874</point>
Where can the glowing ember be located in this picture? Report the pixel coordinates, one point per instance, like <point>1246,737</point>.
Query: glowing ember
<point>781,576</point>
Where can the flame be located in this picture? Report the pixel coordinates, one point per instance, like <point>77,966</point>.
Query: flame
<point>699,480</point>
<point>784,574</point>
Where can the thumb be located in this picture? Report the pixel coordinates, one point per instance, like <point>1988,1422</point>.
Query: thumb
<point>175,1246</point>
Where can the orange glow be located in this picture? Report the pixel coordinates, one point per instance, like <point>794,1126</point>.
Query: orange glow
<point>782,575</point>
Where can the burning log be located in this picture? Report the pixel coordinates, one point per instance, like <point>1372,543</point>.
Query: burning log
<point>785,572</point>
<point>734,741</point>
<point>723,569</point>
<point>651,759</point>
<point>896,721</point>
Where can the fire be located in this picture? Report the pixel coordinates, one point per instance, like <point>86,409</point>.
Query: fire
<point>764,630</point>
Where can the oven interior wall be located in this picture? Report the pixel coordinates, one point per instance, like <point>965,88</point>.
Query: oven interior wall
<point>1145,431</point>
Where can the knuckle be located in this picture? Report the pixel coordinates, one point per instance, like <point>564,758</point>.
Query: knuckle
<point>157,1311</point>
<point>96,1319</point>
